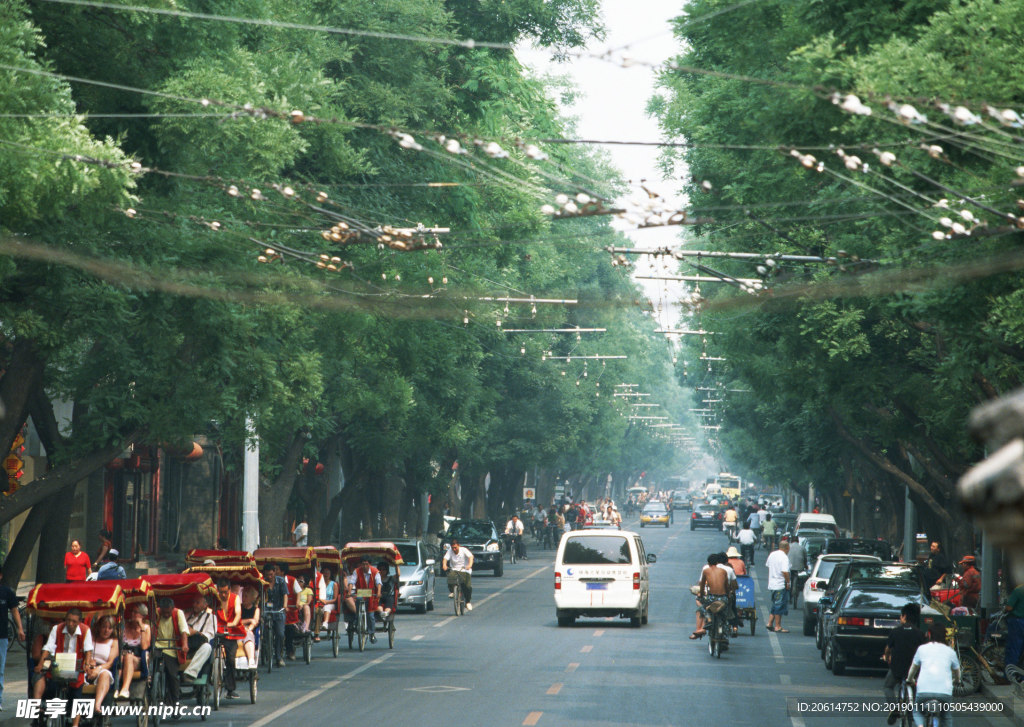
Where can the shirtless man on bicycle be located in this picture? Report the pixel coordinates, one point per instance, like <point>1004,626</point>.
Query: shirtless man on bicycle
<point>713,586</point>
<point>458,564</point>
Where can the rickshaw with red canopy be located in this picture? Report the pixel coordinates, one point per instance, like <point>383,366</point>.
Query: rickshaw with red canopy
<point>50,603</point>
<point>138,591</point>
<point>182,589</point>
<point>366,604</point>
<point>197,557</point>
<point>327,556</point>
<point>242,577</point>
<point>299,560</point>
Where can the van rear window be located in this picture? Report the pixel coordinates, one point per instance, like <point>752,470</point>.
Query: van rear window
<point>597,550</point>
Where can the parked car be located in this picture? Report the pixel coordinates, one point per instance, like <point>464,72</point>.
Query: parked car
<point>861,618</point>
<point>852,571</point>
<point>785,523</point>
<point>815,584</point>
<point>818,522</point>
<point>420,566</point>
<point>481,537</point>
<point>600,573</point>
<point>706,516</point>
<point>878,548</point>
<point>654,513</point>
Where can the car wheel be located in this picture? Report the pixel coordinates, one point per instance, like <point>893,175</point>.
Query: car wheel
<point>499,570</point>
<point>420,607</point>
<point>692,526</point>
<point>566,620</point>
<point>635,621</point>
<point>838,666</point>
<point>829,656</point>
<point>808,627</point>
<point>817,637</point>
<point>430,605</point>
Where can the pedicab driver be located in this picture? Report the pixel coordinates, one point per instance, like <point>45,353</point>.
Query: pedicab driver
<point>458,563</point>
<point>69,637</point>
<point>366,577</point>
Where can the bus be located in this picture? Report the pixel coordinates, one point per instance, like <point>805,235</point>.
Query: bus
<point>729,485</point>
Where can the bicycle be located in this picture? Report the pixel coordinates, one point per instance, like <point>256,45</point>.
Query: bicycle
<point>12,627</point>
<point>905,701</point>
<point>359,627</point>
<point>458,598</point>
<point>717,628</point>
<point>512,547</point>
<point>993,647</point>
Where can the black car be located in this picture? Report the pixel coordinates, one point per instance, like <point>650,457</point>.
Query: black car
<point>785,523</point>
<point>706,516</point>
<point>858,546</point>
<point>859,622</point>
<point>481,537</point>
<point>850,572</point>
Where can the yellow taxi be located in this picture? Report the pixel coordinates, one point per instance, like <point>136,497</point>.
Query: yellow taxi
<point>654,513</point>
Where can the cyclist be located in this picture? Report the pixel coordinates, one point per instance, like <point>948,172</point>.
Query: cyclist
<point>903,643</point>
<point>935,667</point>
<point>730,520</point>
<point>514,529</point>
<point>713,586</point>
<point>366,577</point>
<point>458,564</point>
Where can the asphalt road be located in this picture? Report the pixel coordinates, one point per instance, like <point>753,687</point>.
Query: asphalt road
<point>508,663</point>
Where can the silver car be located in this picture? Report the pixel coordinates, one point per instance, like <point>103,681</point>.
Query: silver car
<point>417,572</point>
<point>815,584</point>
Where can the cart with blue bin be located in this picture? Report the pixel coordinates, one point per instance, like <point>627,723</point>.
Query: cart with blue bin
<point>745,608</point>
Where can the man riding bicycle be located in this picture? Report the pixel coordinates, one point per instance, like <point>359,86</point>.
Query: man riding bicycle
<point>458,564</point>
<point>514,530</point>
<point>935,668</point>
<point>365,577</point>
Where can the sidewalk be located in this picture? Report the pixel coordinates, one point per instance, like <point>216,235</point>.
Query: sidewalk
<point>15,687</point>
<point>1010,696</point>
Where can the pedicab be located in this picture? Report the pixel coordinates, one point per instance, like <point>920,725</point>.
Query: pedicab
<point>745,608</point>
<point>242,576</point>
<point>377,552</point>
<point>197,557</point>
<point>51,602</point>
<point>182,589</point>
<point>327,556</point>
<point>138,591</point>
<point>299,560</point>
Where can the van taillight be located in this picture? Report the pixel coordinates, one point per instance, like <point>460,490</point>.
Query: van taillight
<point>694,515</point>
<point>636,581</point>
<point>558,581</point>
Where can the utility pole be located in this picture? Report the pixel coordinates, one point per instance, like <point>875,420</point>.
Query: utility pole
<point>909,525</point>
<point>250,489</point>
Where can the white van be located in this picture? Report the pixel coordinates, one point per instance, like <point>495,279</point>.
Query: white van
<point>816,521</point>
<point>600,573</point>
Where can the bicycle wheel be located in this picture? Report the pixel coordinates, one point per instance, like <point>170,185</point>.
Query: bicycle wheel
<point>362,625</point>
<point>970,676</point>
<point>335,640</point>
<point>254,677</point>
<point>512,552</point>
<point>158,691</point>
<point>307,647</point>
<point>267,646</point>
<point>457,599</point>
<point>216,677</point>
<point>995,655</point>
<point>391,632</point>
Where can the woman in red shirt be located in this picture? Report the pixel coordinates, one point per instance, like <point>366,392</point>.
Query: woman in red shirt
<point>76,563</point>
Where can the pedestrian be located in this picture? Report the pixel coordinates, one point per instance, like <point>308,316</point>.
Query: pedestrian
<point>1015,626</point>
<point>111,570</point>
<point>8,605</point>
<point>300,533</point>
<point>778,587</point>
<point>899,653</point>
<point>797,565</point>
<point>937,566</point>
<point>934,668</point>
<point>768,531</point>
<point>76,563</point>
<point>106,543</point>
<point>754,522</point>
<point>277,595</point>
<point>970,582</point>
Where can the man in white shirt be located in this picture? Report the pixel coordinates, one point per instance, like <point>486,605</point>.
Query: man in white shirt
<point>300,535</point>
<point>747,538</point>
<point>458,562</point>
<point>778,587</point>
<point>515,529</point>
<point>935,667</point>
<point>64,639</point>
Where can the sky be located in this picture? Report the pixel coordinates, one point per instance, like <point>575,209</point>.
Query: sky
<point>612,104</point>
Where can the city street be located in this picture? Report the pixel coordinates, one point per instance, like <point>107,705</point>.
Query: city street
<point>507,663</point>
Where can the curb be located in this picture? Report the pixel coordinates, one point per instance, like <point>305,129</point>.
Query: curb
<point>1013,705</point>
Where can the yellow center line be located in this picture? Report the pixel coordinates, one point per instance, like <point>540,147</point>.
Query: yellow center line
<point>532,718</point>
<point>555,688</point>
<point>573,666</point>
<point>586,649</point>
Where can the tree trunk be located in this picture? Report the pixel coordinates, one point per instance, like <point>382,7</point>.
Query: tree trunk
<point>21,549</point>
<point>50,561</point>
<point>23,375</point>
<point>274,495</point>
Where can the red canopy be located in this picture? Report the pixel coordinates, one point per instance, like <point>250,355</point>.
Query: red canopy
<point>296,558</point>
<point>52,601</point>
<point>136,590</point>
<point>182,588</point>
<point>220,557</point>
<point>245,575</point>
<point>354,552</point>
<point>328,555</point>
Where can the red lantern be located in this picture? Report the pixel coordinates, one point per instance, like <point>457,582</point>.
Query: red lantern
<point>195,453</point>
<point>319,469</point>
